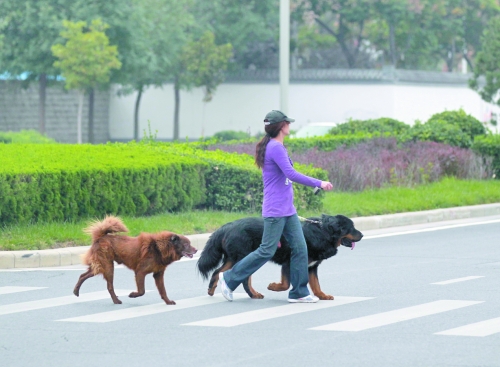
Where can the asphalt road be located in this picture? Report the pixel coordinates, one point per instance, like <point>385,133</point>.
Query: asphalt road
<point>425,295</point>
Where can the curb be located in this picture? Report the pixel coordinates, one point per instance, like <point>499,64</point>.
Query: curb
<point>71,255</point>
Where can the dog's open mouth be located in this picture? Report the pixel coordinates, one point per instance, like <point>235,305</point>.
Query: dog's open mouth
<point>348,243</point>
<point>189,254</point>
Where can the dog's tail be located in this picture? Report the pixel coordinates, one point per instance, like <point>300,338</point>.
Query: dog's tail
<point>212,254</point>
<point>97,230</point>
<point>108,225</point>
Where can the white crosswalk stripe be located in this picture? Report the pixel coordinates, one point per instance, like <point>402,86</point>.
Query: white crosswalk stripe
<point>477,329</point>
<point>59,301</point>
<point>275,312</point>
<point>12,289</point>
<point>446,282</point>
<point>391,317</point>
<point>482,328</point>
<point>132,312</point>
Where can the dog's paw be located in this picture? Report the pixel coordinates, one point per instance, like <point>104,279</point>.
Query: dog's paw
<point>277,287</point>
<point>117,302</point>
<point>76,292</point>
<point>257,295</point>
<point>324,297</point>
<point>135,294</point>
<point>211,291</point>
<point>169,302</point>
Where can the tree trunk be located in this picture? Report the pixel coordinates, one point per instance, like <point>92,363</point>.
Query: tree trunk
<point>91,116</point>
<point>79,119</point>
<point>136,114</point>
<point>392,39</point>
<point>340,37</point>
<point>176,109</point>
<point>42,93</point>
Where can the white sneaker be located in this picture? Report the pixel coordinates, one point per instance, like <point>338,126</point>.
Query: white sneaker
<point>226,292</point>
<point>307,299</point>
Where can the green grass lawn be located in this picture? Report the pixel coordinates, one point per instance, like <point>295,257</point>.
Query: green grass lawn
<point>444,194</point>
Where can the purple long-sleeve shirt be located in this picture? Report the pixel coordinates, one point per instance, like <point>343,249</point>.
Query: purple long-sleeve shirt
<point>278,174</point>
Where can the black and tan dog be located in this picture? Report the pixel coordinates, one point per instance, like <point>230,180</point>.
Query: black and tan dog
<point>233,241</point>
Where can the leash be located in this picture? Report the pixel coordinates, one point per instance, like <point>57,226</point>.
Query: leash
<point>302,219</point>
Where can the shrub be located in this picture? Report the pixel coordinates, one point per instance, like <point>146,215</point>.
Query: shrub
<point>55,182</point>
<point>468,124</point>
<point>438,131</point>
<point>380,125</point>
<point>24,136</point>
<point>227,135</point>
<point>489,146</point>
<point>382,162</point>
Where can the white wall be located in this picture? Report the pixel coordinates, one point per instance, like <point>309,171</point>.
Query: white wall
<point>242,107</point>
<point>421,102</point>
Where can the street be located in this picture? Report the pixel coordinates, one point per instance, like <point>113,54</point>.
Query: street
<point>425,295</point>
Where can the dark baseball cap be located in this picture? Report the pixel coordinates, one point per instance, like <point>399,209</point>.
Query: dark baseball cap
<point>276,116</point>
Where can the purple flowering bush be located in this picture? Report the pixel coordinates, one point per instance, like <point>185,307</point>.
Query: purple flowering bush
<point>383,162</point>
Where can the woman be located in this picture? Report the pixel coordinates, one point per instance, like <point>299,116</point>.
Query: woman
<point>279,213</point>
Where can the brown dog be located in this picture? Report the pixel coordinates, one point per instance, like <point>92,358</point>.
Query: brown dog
<point>144,254</point>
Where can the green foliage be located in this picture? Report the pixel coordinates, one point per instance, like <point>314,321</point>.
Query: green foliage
<point>86,60</point>
<point>250,26</point>
<point>489,145</point>
<point>66,182</point>
<point>227,135</point>
<point>233,181</point>
<point>59,182</point>
<point>329,142</point>
<point>204,64</point>
<point>24,136</point>
<point>380,125</point>
<point>467,123</point>
<point>487,65</point>
<point>439,131</point>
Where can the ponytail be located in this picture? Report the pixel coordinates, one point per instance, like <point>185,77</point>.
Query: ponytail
<point>272,131</point>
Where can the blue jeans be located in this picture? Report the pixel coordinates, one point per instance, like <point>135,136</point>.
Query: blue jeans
<point>291,228</point>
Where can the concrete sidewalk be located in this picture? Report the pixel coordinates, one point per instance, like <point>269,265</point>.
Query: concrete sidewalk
<point>71,255</point>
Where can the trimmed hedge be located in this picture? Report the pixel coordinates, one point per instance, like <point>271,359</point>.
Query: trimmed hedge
<point>66,182</point>
<point>58,182</point>
<point>489,145</point>
<point>234,183</point>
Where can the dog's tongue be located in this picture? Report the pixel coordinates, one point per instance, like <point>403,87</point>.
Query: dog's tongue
<point>352,245</point>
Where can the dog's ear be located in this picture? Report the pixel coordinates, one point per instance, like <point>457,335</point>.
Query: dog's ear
<point>174,238</point>
<point>331,224</point>
<point>166,250</point>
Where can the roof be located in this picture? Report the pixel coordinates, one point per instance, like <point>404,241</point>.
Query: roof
<point>384,76</point>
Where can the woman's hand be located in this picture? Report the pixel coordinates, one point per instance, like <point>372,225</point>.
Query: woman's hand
<point>325,185</point>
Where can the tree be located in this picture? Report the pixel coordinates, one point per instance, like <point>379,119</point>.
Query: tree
<point>86,59</point>
<point>160,31</point>
<point>343,19</point>
<point>202,64</point>
<point>31,28</point>
<point>251,26</point>
<point>487,64</point>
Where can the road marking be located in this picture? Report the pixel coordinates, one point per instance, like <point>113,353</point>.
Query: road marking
<point>59,301</point>
<point>9,289</point>
<point>368,237</point>
<point>391,317</point>
<point>482,328</point>
<point>274,312</point>
<point>458,280</point>
<point>131,312</point>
